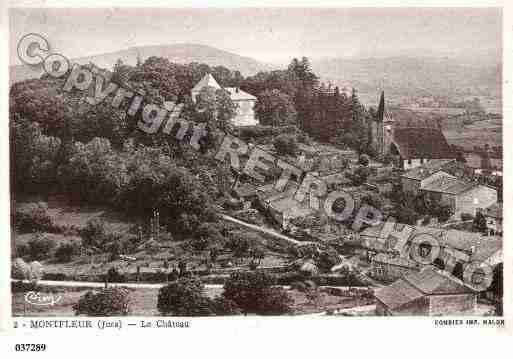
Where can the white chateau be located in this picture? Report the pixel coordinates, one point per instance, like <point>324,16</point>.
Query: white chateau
<point>245,102</point>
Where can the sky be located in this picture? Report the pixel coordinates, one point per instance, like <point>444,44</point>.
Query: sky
<point>271,35</point>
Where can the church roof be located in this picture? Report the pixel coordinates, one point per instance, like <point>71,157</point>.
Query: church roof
<point>421,142</point>
<point>207,80</point>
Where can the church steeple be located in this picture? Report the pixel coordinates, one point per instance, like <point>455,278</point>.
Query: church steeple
<point>381,108</point>
<point>383,127</point>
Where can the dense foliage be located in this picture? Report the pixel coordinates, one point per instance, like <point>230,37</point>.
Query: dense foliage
<point>256,292</point>
<point>106,302</point>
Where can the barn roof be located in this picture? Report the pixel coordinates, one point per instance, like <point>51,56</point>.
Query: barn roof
<point>421,142</point>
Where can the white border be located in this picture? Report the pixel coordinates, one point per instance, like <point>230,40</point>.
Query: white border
<point>286,336</point>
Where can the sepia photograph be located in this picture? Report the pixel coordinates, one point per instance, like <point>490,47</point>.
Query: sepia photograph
<point>254,162</point>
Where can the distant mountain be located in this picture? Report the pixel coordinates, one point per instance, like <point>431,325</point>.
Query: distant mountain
<point>179,53</point>
<point>412,76</point>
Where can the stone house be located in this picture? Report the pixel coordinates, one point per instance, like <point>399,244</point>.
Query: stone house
<point>413,180</point>
<point>429,292</point>
<point>462,196</point>
<point>493,215</point>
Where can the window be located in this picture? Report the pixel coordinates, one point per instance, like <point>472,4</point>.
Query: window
<point>421,161</point>
<point>409,161</point>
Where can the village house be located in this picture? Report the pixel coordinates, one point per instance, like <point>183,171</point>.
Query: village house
<point>460,195</point>
<point>413,180</point>
<point>493,215</point>
<point>245,102</point>
<point>247,193</point>
<point>428,292</point>
<point>473,246</point>
<point>390,268</point>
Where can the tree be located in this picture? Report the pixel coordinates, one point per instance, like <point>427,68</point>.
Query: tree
<point>107,302</point>
<point>406,215</point>
<point>215,107</point>
<point>94,233</point>
<point>184,298</point>
<point>65,252</point>
<point>39,247</point>
<point>360,175</point>
<point>364,160</point>
<point>275,108</point>
<point>479,224</point>
<point>34,158</point>
<point>286,145</point>
<point>255,292</point>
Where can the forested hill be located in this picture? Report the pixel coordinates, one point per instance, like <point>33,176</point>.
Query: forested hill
<point>177,53</point>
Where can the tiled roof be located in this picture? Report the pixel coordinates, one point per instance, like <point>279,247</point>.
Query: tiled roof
<point>426,170</point>
<point>245,190</point>
<point>416,285</point>
<point>449,185</point>
<point>431,281</point>
<point>483,247</point>
<point>397,294</point>
<point>421,142</point>
<point>236,94</point>
<point>290,207</point>
<point>397,261</point>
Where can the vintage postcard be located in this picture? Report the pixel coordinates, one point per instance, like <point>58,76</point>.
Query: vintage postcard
<point>313,162</point>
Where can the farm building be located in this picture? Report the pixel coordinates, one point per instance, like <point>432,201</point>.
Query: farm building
<point>428,292</point>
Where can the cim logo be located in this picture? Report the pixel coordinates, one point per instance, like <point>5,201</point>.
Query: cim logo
<point>37,298</point>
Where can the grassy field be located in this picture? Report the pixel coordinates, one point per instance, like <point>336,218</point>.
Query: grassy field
<point>476,134</point>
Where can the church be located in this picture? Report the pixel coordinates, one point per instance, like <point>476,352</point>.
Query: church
<point>409,146</point>
<point>245,102</point>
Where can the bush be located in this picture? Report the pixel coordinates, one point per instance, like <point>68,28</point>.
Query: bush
<point>255,292</point>
<point>107,302</point>
<point>286,145</point>
<point>364,160</point>
<point>39,248</point>
<point>94,233</point>
<point>65,252</point>
<point>467,217</point>
<point>35,219</point>
<point>184,298</point>
<point>114,276</point>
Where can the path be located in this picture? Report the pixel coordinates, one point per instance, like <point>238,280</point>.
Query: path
<point>265,230</point>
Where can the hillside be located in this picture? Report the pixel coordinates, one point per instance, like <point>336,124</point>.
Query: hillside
<point>179,53</point>
<point>412,76</point>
